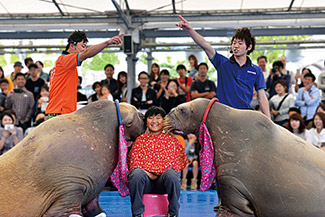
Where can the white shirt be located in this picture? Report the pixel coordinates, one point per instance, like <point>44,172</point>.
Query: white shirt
<point>314,138</point>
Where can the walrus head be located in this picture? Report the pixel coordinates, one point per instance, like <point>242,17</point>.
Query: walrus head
<point>132,121</point>
<point>186,118</point>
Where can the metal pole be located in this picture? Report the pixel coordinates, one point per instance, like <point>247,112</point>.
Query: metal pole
<point>131,61</point>
<point>149,60</point>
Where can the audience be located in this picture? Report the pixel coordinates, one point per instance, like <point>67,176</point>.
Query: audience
<point>194,63</point>
<point>184,83</point>
<point>105,93</point>
<point>34,82</point>
<point>171,99</point>
<point>300,78</point>
<point>38,119</point>
<point>43,75</point>
<point>262,62</point>
<point>43,99</point>
<point>80,96</point>
<point>154,74</point>
<point>96,88</point>
<point>122,81</point>
<point>316,135</point>
<point>10,84</point>
<point>110,81</point>
<point>297,126</point>
<point>18,66</point>
<point>160,86</point>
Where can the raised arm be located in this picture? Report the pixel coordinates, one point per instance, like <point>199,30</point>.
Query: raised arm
<point>198,39</point>
<point>95,49</point>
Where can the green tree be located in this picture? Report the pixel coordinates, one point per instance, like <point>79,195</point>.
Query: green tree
<point>48,63</point>
<point>98,62</point>
<point>3,61</point>
<point>13,58</point>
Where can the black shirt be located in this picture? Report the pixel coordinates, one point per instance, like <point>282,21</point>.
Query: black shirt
<point>35,86</point>
<point>202,87</point>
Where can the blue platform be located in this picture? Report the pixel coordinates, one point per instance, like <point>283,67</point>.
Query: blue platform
<point>193,204</point>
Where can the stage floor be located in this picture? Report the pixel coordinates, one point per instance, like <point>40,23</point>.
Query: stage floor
<point>193,204</point>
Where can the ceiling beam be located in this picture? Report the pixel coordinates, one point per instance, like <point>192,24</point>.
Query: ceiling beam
<point>122,15</point>
<point>58,7</point>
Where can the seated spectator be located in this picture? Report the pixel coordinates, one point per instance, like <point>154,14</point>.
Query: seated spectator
<point>320,108</point>
<point>143,97</point>
<point>154,74</point>
<point>296,125</point>
<point>194,63</point>
<point>184,83</point>
<point>161,86</point>
<point>191,151</point>
<point>281,103</point>
<point>10,84</point>
<point>9,134</point>
<point>96,87</point>
<point>122,83</point>
<point>171,98</point>
<point>276,73</point>
<point>203,87</point>
<point>38,119</point>
<point>308,98</point>
<point>105,93</point>
<point>80,96</point>
<point>316,135</point>
<point>43,99</point>
<point>155,161</point>
<point>3,94</point>
<point>300,78</point>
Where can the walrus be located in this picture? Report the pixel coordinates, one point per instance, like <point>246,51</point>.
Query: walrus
<point>262,169</point>
<point>60,168</point>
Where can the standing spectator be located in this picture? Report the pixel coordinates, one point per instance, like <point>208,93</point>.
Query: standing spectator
<point>21,101</point>
<point>308,98</point>
<point>276,75</point>
<point>281,103</point>
<point>262,62</point>
<point>64,76</point>
<point>122,83</point>
<point>285,71</point>
<point>143,97</point>
<point>43,75</point>
<point>110,81</point>
<point>154,74</point>
<point>95,96</point>
<point>238,75</point>
<point>80,96</point>
<point>43,99</point>
<point>10,84</point>
<point>300,78</point>
<point>161,86</point>
<point>105,93</point>
<point>316,135</point>
<point>28,61</point>
<point>184,83</point>
<point>9,134</point>
<point>18,66</point>
<point>34,83</point>
<point>194,63</point>
<point>171,98</point>
<point>297,126</point>
<point>203,87</point>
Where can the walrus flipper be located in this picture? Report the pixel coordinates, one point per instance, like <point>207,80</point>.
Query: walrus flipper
<point>234,198</point>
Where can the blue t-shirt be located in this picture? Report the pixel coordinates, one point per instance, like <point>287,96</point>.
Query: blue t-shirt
<point>235,82</point>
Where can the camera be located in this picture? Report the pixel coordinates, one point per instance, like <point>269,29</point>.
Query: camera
<point>8,126</point>
<point>274,70</point>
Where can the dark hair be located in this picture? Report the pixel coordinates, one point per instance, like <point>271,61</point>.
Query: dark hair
<point>322,117</point>
<point>80,78</point>
<point>75,37</point>
<point>8,114</point>
<point>203,64</point>
<point>153,111</point>
<point>278,63</point>
<point>143,73</point>
<point>40,62</point>
<point>120,74</point>
<point>295,109</point>
<point>196,62</point>
<point>3,73</point>
<point>26,60</point>
<point>19,74</point>
<point>164,72</point>
<point>3,80</point>
<point>109,65</point>
<point>282,82</point>
<point>246,35</point>
<point>151,72</point>
<point>297,117</point>
<point>303,69</point>
<point>322,106</point>
<point>181,66</point>
<point>174,80</point>
<point>262,57</point>
<point>45,87</point>
<point>32,65</point>
<point>310,75</point>
<point>95,84</point>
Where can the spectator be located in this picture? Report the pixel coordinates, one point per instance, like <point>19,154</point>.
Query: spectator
<point>316,135</point>
<point>254,101</point>
<point>281,103</point>
<point>122,81</point>
<point>43,99</point>
<point>21,101</point>
<point>154,74</point>
<point>80,96</point>
<point>276,75</point>
<point>320,108</point>
<point>18,66</point>
<point>194,63</point>
<point>34,83</point>
<point>143,97</point>
<point>28,61</point>
<point>184,83</point>
<point>43,75</point>
<point>3,94</point>
<point>171,98</point>
<point>308,98</point>
<point>262,62</point>
<point>161,86</point>
<point>110,81</point>
<point>9,134</point>
<point>297,126</point>
<point>10,84</point>
<point>105,93</point>
<point>38,119</point>
<point>285,71</point>
<point>155,161</point>
<point>300,78</point>
<point>96,87</point>
<point>191,151</point>
<point>236,76</point>
<point>203,87</point>
<point>321,83</point>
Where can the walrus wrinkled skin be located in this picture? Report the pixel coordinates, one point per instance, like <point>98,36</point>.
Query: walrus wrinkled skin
<point>262,169</point>
<point>60,168</point>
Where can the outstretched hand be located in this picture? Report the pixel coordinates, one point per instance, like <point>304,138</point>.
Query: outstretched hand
<point>183,23</point>
<point>116,39</point>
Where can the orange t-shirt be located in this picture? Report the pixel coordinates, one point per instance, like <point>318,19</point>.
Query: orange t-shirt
<point>63,85</point>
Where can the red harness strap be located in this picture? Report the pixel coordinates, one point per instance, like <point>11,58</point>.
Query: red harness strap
<point>207,110</point>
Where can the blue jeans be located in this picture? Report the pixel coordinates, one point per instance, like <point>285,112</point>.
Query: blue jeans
<point>139,183</point>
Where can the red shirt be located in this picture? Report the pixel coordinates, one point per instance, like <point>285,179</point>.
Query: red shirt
<point>63,85</point>
<point>188,83</point>
<point>157,153</point>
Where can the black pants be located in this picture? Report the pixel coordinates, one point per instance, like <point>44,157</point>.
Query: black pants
<point>140,183</point>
